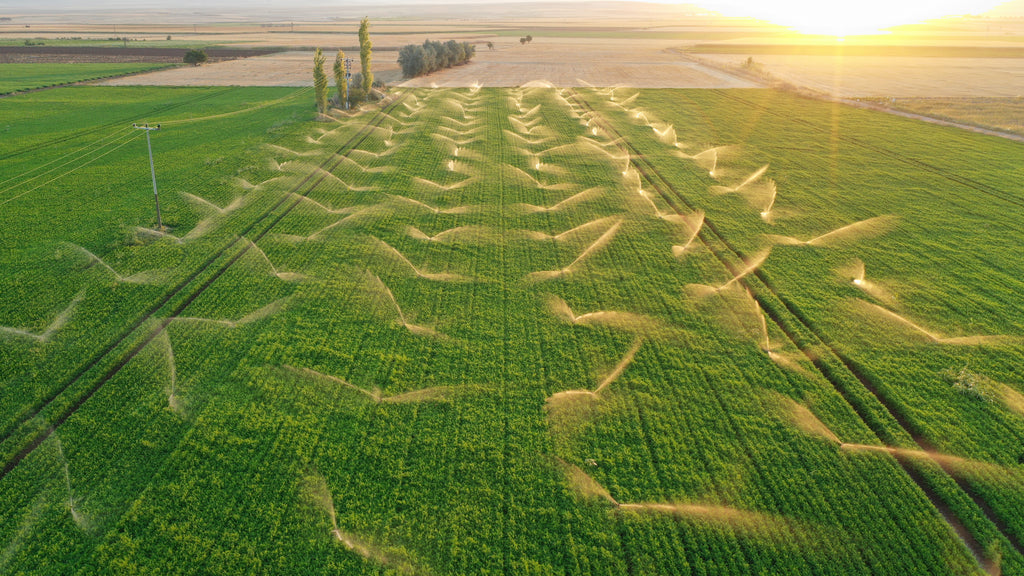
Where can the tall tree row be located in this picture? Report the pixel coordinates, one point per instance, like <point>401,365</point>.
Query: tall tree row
<point>319,81</point>
<point>365,55</point>
<point>431,56</point>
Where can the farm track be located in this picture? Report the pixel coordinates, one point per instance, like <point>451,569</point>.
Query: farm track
<point>673,198</point>
<point>125,120</point>
<point>313,179</point>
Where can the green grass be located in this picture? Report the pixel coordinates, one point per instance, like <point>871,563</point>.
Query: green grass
<point>204,431</point>
<point>16,77</point>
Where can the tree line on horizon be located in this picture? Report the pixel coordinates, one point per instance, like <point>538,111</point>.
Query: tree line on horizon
<point>431,56</point>
<point>364,83</point>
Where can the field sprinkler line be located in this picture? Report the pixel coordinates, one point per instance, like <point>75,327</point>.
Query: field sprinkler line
<point>39,407</point>
<point>865,381</point>
<point>82,165</point>
<point>574,199</point>
<point>712,236</point>
<point>119,122</point>
<point>95,260</point>
<point>56,324</point>
<point>962,180</point>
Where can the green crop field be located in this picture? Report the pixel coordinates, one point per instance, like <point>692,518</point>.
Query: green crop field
<point>15,77</point>
<point>118,42</point>
<point>523,331</point>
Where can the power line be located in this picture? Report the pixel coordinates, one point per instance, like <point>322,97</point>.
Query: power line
<point>95,145</point>
<point>68,172</point>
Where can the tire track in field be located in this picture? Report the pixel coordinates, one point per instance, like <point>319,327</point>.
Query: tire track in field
<point>673,198</point>
<point>125,120</point>
<point>314,178</point>
<point>866,379</point>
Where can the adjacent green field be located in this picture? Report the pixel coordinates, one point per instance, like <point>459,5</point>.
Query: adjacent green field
<point>117,42</point>
<point>15,77</point>
<point>506,331</point>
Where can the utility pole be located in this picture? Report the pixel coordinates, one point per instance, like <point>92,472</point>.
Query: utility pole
<point>348,77</point>
<point>152,170</point>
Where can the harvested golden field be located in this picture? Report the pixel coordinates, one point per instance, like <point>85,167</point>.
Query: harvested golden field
<point>579,62</point>
<point>282,69</point>
<point>892,77</point>
<point>563,62</point>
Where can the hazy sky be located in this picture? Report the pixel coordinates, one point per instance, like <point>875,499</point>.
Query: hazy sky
<point>839,17</point>
<point>843,17</point>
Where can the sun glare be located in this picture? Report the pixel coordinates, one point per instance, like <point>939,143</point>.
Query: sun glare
<point>849,18</point>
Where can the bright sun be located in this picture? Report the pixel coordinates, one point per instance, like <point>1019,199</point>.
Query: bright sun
<point>848,17</point>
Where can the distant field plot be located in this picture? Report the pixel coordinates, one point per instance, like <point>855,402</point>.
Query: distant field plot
<point>843,50</point>
<point>525,330</point>
<point>891,76</point>
<point>15,77</point>
<point>293,68</point>
<point>564,62</point>
<point>582,62</point>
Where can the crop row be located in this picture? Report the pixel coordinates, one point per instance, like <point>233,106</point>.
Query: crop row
<point>369,387</point>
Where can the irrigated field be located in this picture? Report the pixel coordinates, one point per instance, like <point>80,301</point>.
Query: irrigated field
<point>15,77</point>
<point>522,331</point>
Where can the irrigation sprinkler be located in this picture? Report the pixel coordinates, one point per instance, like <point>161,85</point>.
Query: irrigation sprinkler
<point>152,170</point>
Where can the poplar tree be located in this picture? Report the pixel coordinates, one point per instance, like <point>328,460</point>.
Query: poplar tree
<point>339,77</point>
<point>319,81</point>
<point>365,47</point>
